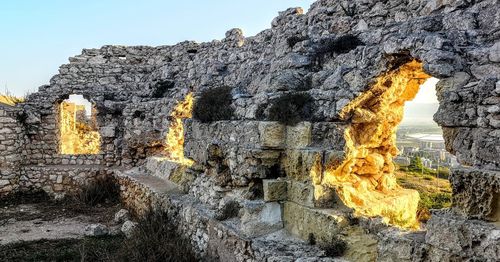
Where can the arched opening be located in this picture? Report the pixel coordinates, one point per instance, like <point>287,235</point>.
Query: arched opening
<point>366,180</point>
<point>78,129</point>
<point>423,163</point>
<point>174,144</point>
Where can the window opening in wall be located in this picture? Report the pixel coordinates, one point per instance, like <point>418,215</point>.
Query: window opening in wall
<point>174,144</point>
<point>423,163</point>
<point>367,179</point>
<point>78,127</point>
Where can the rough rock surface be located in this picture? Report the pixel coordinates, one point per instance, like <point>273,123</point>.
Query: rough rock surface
<point>128,228</point>
<point>121,216</point>
<point>96,230</point>
<point>134,91</point>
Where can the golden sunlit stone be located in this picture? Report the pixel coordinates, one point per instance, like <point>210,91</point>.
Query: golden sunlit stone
<point>10,100</point>
<point>175,138</point>
<point>78,135</point>
<point>365,180</point>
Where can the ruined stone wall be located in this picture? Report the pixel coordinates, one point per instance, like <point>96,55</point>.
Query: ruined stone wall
<point>124,81</point>
<point>11,138</point>
<point>135,89</point>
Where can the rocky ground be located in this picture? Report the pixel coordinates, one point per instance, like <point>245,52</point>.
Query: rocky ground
<point>35,228</point>
<point>31,218</point>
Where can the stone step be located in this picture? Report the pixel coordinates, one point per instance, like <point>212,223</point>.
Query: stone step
<point>221,239</point>
<point>163,168</point>
<point>155,184</point>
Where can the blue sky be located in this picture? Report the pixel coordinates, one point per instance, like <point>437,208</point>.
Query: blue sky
<point>37,36</point>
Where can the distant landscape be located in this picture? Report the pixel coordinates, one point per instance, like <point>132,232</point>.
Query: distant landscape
<point>417,114</point>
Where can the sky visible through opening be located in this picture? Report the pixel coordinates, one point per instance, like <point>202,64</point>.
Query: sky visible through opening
<point>39,36</point>
<point>80,100</point>
<point>421,109</point>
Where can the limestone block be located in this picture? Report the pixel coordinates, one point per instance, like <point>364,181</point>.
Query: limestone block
<point>456,235</point>
<point>485,148</point>
<point>247,163</point>
<point>6,189</point>
<point>272,134</point>
<point>477,193</point>
<point>333,158</point>
<point>311,195</point>
<point>128,228</point>
<point>324,224</point>
<point>260,218</point>
<point>328,135</point>
<point>275,190</point>
<point>107,131</point>
<point>298,136</point>
<point>96,230</point>
<point>361,246</point>
<point>396,245</point>
<point>303,164</point>
<point>495,52</point>
<point>159,167</point>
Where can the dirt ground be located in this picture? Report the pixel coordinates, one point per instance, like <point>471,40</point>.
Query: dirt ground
<point>35,217</point>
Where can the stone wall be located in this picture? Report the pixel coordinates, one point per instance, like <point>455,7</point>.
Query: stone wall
<point>137,86</point>
<point>135,89</point>
<point>11,142</point>
<point>60,181</point>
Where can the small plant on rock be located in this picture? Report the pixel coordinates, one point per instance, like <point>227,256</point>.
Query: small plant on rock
<point>290,109</point>
<point>214,105</point>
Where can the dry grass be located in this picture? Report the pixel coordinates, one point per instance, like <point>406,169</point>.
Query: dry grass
<point>156,239</point>
<point>435,193</point>
<point>103,190</point>
<point>9,98</point>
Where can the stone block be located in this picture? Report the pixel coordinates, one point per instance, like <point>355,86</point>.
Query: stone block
<point>238,133</point>
<point>260,218</point>
<point>310,195</point>
<point>107,131</point>
<point>328,135</point>
<point>323,224</point>
<point>165,169</point>
<point>4,183</point>
<point>298,136</point>
<point>396,245</point>
<point>333,159</point>
<point>246,164</point>
<point>303,164</point>
<point>450,232</point>
<point>476,193</point>
<point>494,53</point>
<point>272,134</point>
<point>275,190</point>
